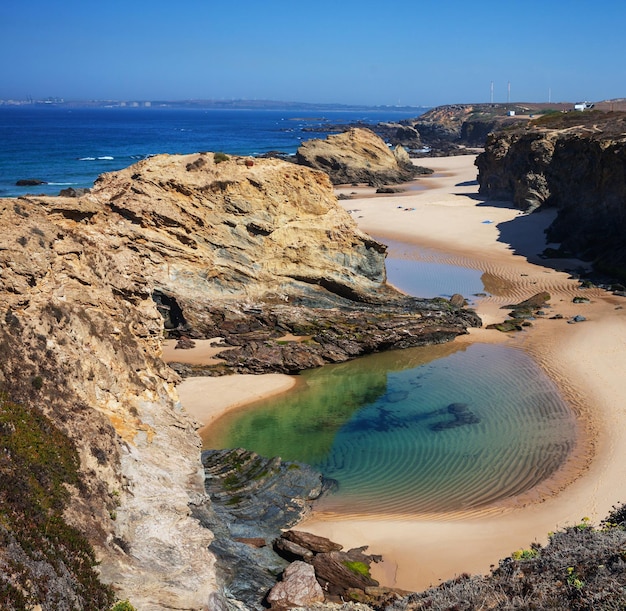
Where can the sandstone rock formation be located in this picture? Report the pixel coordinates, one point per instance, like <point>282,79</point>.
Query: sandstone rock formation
<point>357,156</point>
<point>393,133</point>
<point>574,162</point>
<point>81,342</point>
<point>198,242</point>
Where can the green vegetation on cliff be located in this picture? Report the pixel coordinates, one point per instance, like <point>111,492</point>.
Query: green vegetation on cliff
<point>43,560</point>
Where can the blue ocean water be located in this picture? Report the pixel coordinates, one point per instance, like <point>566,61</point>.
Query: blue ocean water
<point>73,146</point>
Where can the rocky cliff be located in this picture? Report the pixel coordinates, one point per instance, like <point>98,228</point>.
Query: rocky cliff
<point>192,244</point>
<point>452,128</point>
<point>574,162</point>
<point>81,343</point>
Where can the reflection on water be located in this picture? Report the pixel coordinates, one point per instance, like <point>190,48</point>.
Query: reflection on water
<point>428,279</point>
<point>423,430</point>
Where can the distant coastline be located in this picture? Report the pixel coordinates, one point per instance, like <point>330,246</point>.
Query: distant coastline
<point>208,104</point>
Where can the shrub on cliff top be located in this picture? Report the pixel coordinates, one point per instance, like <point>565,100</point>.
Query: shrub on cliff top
<point>582,568</point>
<point>219,157</point>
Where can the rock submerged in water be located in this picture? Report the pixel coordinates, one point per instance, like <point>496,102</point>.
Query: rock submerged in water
<point>29,182</point>
<point>461,416</point>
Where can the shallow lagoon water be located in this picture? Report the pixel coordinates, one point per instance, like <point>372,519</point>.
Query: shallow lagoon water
<point>431,430</point>
<point>422,431</point>
<point>431,279</point>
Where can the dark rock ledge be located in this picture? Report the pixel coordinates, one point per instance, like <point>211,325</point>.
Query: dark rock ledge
<point>326,334</point>
<point>252,500</point>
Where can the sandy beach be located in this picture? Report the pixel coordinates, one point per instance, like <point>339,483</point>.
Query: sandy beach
<point>450,223</point>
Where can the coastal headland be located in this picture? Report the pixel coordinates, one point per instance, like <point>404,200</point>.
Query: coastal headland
<point>449,219</point>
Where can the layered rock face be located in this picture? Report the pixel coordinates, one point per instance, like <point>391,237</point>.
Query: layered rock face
<point>81,341</point>
<point>212,243</point>
<point>357,156</point>
<point>575,162</point>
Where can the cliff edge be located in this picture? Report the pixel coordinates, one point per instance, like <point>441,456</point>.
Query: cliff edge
<point>575,163</point>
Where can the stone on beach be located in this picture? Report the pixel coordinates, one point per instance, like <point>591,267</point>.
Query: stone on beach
<point>298,587</point>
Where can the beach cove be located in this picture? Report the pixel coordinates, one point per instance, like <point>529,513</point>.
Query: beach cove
<point>585,360</point>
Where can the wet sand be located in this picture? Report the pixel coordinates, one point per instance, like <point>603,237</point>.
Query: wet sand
<point>586,360</point>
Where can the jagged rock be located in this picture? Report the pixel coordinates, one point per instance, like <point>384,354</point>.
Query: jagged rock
<point>539,300</point>
<point>253,499</point>
<point>521,312</point>
<point>73,192</point>
<point>334,334</point>
<point>291,551</point>
<point>257,496</point>
<point>298,587</point>
<point>184,343</point>
<point>357,156</point>
<point>339,572</point>
<point>314,543</point>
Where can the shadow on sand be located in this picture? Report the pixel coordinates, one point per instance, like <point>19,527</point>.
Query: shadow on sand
<point>526,234</point>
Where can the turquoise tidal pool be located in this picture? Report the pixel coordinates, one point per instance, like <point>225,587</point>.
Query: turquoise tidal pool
<point>429,430</point>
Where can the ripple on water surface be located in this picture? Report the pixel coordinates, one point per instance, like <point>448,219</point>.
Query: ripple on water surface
<point>426,430</point>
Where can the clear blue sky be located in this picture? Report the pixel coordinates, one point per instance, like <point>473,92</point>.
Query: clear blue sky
<point>414,52</point>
